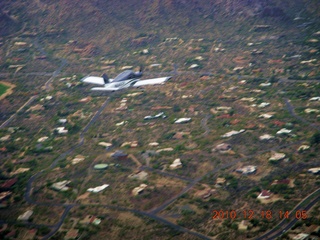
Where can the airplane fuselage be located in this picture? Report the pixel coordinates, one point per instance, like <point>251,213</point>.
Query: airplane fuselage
<point>126,75</point>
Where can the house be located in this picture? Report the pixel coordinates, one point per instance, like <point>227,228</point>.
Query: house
<point>176,164</point>
<point>5,138</point>
<point>25,216</point>
<point>155,65</point>
<point>314,99</point>
<point>138,190</point>
<point>232,133</point>
<point>90,219</point>
<point>224,109</point>
<point>183,120</point>
<point>303,148</point>
<point>250,169</point>
<point>282,181</point>
<point>77,159</point>
<point>301,236</point>
<point>310,110</point>
<point>153,144</point>
<point>98,189</point>
<point>207,194</point>
<point>278,123</point>
<point>61,130</point>
<point>126,67</point>
<point>265,84</point>
<point>277,156</point>
<point>20,170</point>
<point>283,131</point>
<point>83,100</point>
<point>314,170</point>
<point>220,182</point>
<point>42,139</point>
<point>265,194</point>
<point>9,183</point>
<point>63,120</point>
<point>119,155</point>
<point>121,123</point>
<point>267,116</point>
<point>236,69</point>
<point>140,175</point>
<point>243,225</point>
<point>105,144</point>
<point>223,148</point>
<point>263,105</point>
<point>21,44</point>
<point>164,150</point>
<point>266,137</point>
<point>251,99</point>
<point>134,94</point>
<point>193,66</point>
<point>133,144</point>
<point>309,61</point>
<point>159,115</point>
<point>4,195</point>
<point>61,186</point>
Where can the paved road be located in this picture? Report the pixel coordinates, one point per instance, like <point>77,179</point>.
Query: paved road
<point>292,113</point>
<point>284,225</point>
<point>27,103</point>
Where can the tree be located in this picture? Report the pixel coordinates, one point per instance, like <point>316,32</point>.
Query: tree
<point>315,139</point>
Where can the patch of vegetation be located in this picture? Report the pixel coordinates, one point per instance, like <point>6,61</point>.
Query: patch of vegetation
<point>3,88</point>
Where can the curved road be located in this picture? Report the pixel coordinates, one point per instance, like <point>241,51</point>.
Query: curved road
<point>284,226</point>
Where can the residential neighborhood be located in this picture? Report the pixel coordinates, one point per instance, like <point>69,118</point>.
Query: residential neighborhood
<point>235,131</point>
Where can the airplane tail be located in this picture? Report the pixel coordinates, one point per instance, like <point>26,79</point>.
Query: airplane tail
<point>105,78</point>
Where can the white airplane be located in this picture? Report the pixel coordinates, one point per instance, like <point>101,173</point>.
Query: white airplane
<point>125,79</point>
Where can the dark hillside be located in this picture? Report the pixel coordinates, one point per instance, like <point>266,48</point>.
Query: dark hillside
<point>105,21</point>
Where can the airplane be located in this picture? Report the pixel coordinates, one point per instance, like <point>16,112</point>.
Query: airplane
<point>127,78</point>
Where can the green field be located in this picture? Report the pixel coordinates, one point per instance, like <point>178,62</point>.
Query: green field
<point>3,88</point>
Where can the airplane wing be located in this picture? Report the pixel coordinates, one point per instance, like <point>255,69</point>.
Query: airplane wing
<point>151,81</point>
<point>94,80</point>
<point>107,89</point>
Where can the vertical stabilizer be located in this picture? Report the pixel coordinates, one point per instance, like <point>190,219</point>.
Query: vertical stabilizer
<point>105,78</point>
